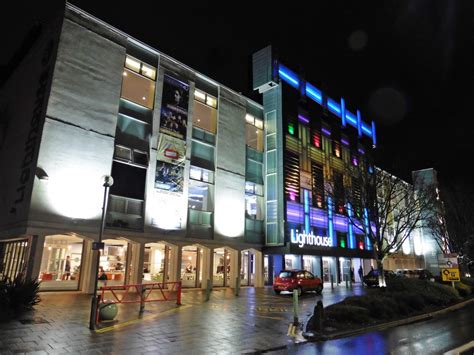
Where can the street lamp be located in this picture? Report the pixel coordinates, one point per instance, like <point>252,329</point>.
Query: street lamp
<point>108,181</point>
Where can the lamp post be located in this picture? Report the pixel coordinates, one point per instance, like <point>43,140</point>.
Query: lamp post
<point>108,181</point>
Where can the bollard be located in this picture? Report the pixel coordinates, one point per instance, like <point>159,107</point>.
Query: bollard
<point>142,300</point>
<point>332,282</point>
<point>347,281</point>
<point>178,296</point>
<point>237,285</point>
<point>208,290</point>
<point>318,315</point>
<point>295,307</point>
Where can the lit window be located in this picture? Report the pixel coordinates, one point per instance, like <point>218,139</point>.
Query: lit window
<point>317,139</point>
<point>149,72</point>
<point>205,117</point>
<point>132,64</point>
<point>138,89</point>
<point>196,173</point>
<point>250,119</point>
<point>211,101</point>
<point>336,148</point>
<point>258,123</point>
<point>200,96</point>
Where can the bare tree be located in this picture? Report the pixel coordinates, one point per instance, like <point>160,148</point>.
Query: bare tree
<point>387,210</point>
<point>452,221</point>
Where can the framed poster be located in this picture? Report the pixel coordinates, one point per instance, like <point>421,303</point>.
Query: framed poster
<point>169,176</point>
<point>174,108</point>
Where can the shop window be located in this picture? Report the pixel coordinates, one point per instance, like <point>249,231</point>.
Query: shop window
<point>61,263</point>
<point>200,174</point>
<point>138,89</point>
<point>191,265</point>
<point>200,196</point>
<point>113,262</point>
<point>156,262</point>
<point>205,117</point>
<point>202,155</point>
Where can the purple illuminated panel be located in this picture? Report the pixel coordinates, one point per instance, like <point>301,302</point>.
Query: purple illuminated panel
<point>318,218</point>
<point>303,119</point>
<point>340,223</point>
<point>361,151</point>
<point>345,142</point>
<point>294,212</point>
<point>326,132</point>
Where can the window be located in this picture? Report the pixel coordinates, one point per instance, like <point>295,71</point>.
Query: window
<point>292,176</point>
<point>129,181</point>
<point>318,185</point>
<point>129,155</point>
<point>316,139</point>
<point>254,132</point>
<point>342,239</point>
<point>140,68</point>
<point>254,171</point>
<point>356,196</point>
<point>338,192</point>
<point>199,174</point>
<point>131,132</point>
<point>254,201</point>
<point>200,196</point>
<point>202,155</point>
<point>138,89</point>
<point>205,117</point>
<point>336,149</point>
<point>207,99</point>
<point>204,136</point>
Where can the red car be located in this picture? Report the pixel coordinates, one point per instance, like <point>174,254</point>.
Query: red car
<point>300,280</point>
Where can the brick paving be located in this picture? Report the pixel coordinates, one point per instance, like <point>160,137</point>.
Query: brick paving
<point>255,321</point>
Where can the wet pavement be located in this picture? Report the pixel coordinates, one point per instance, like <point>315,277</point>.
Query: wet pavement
<point>255,321</point>
<point>435,336</point>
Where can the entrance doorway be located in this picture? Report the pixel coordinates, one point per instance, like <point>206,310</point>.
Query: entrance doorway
<point>191,266</point>
<point>247,272</point>
<point>156,262</point>
<point>222,267</point>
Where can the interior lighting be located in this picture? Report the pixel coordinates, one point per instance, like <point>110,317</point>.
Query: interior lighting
<point>291,129</point>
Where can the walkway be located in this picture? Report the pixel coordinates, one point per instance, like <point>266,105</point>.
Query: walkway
<point>256,320</point>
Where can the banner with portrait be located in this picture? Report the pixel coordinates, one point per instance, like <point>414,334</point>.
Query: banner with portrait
<point>174,108</point>
<point>171,150</point>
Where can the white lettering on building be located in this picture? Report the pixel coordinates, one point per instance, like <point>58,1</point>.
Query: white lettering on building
<point>303,239</point>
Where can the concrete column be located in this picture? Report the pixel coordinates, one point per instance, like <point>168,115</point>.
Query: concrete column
<point>208,267</point>
<point>175,271</point>
<point>235,266</point>
<point>89,268</point>
<point>173,263</point>
<point>136,264</point>
<point>35,255</point>
<point>259,280</point>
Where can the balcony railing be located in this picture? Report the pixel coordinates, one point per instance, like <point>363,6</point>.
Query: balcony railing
<point>124,212</point>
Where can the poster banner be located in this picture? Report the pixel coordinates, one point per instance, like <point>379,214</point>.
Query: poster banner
<point>174,108</point>
<point>171,150</point>
<point>169,176</point>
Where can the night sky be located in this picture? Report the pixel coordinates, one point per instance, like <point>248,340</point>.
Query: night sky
<point>408,65</point>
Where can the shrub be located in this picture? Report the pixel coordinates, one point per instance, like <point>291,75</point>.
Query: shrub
<point>343,313</point>
<point>468,281</point>
<point>463,289</point>
<point>18,294</point>
<point>409,301</point>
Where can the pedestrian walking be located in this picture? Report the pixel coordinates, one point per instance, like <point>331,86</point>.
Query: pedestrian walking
<point>361,273</point>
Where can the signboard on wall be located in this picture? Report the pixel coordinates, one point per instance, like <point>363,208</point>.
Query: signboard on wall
<point>174,108</point>
<point>171,150</point>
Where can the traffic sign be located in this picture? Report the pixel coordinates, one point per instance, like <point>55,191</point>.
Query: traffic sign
<point>449,274</point>
<point>448,261</point>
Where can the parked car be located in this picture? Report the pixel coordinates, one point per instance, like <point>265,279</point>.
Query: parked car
<point>372,278</point>
<point>297,280</point>
<point>422,274</point>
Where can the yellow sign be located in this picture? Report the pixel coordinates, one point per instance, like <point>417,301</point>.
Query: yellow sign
<point>450,274</point>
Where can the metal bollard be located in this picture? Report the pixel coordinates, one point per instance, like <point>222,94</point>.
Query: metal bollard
<point>237,285</point>
<point>142,300</point>
<point>318,315</point>
<point>295,307</point>
<point>208,290</point>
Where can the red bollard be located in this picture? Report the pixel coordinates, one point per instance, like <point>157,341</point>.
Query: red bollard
<point>178,297</point>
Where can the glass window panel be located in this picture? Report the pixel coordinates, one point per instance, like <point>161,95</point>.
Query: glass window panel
<point>254,172</point>
<point>271,142</point>
<point>250,119</point>
<point>271,122</point>
<point>138,89</point>
<point>254,207</point>
<point>123,153</point>
<point>204,117</point>
<point>140,157</point>
<point>254,137</point>
<point>195,173</point>
<point>132,63</point>
<point>130,127</point>
<point>258,123</point>
<point>149,72</point>
<point>271,187</point>
<point>200,196</point>
<point>271,162</point>
<point>211,101</point>
<point>202,155</point>
<point>199,95</point>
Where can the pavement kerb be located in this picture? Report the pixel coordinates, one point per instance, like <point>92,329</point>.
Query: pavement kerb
<point>395,323</point>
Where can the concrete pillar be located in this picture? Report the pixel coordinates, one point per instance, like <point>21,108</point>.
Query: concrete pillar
<point>34,256</point>
<point>136,263</point>
<point>175,272</point>
<point>259,280</point>
<point>89,268</point>
<point>173,263</point>
<point>235,266</point>
<point>208,267</point>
